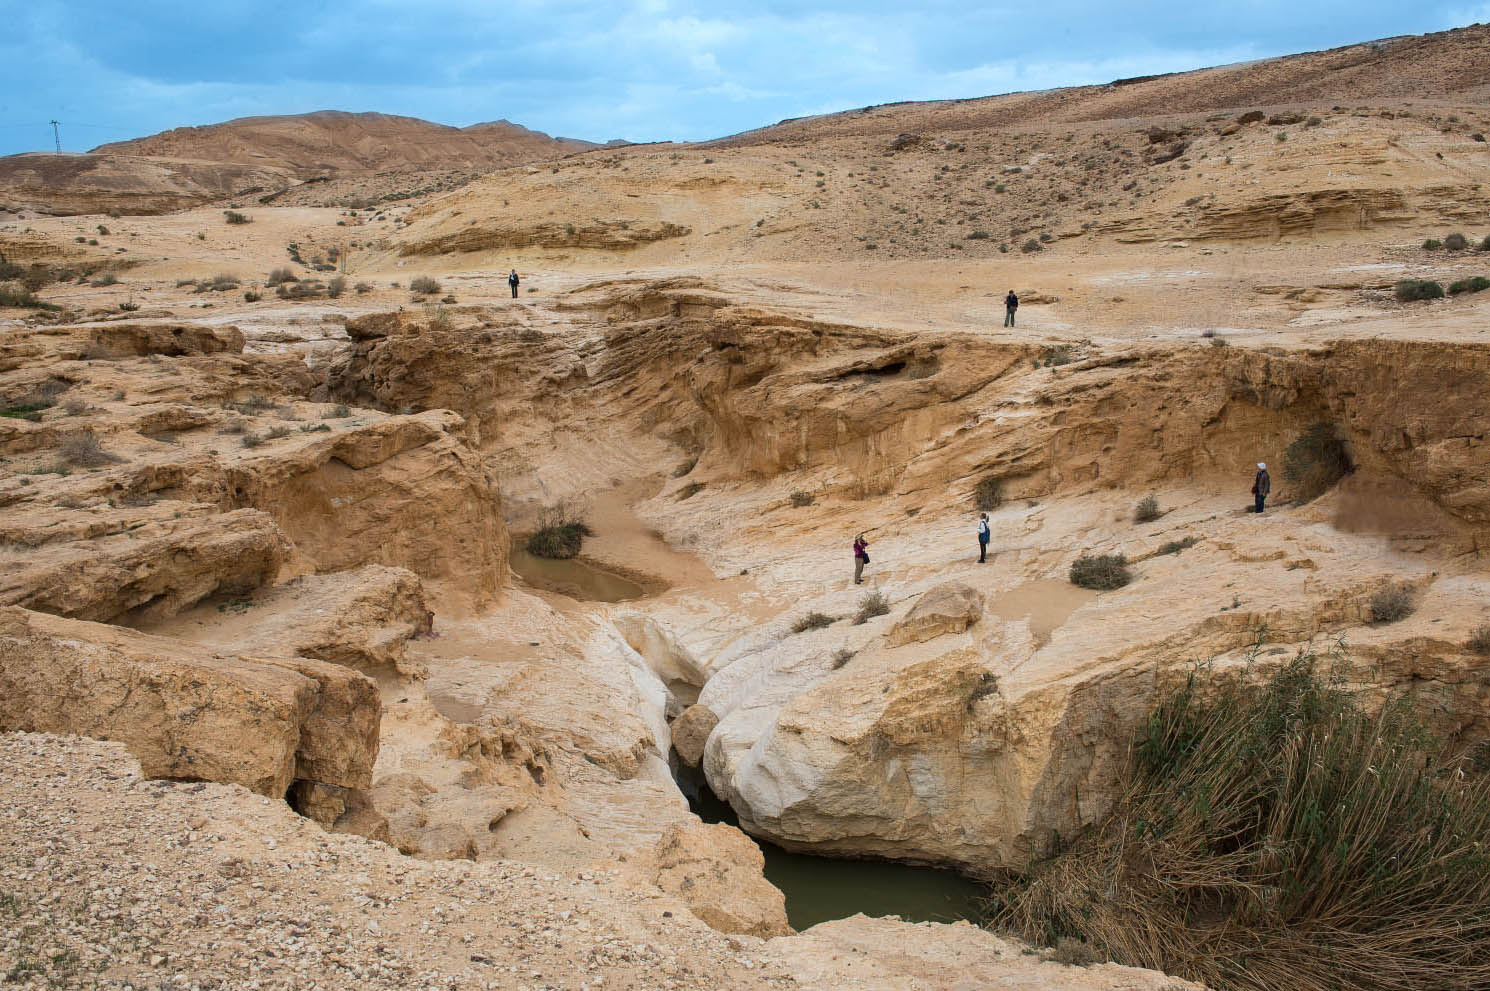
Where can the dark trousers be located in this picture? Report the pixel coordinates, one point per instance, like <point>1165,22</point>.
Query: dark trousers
<point>1259,497</point>
<point>982,551</point>
<point>1008,318</point>
<point>514,289</point>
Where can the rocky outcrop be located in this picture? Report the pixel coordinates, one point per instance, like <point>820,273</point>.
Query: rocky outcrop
<point>131,340</point>
<point>691,731</point>
<point>950,607</point>
<point>716,871</point>
<point>607,235</point>
<point>185,712</point>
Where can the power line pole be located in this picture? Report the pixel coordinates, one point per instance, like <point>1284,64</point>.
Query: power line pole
<point>56,136</point>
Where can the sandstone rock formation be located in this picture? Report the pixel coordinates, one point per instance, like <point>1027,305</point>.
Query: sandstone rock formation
<point>716,870</point>
<point>950,607</point>
<point>690,731</point>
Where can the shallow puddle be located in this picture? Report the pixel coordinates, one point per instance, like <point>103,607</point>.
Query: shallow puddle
<point>819,889</point>
<point>1046,604</point>
<point>574,578</point>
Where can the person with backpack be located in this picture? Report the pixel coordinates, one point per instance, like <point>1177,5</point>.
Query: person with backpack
<point>983,535</point>
<point>861,558</point>
<point>1261,486</point>
<point>512,281</point>
<point>1011,303</point>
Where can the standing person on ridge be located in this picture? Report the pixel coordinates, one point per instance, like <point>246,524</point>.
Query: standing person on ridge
<point>512,281</point>
<point>983,535</point>
<point>861,558</point>
<point>1261,486</point>
<point>1011,303</point>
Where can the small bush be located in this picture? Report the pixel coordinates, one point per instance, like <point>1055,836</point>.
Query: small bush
<point>803,498</point>
<point>561,532</point>
<point>988,494</point>
<point>424,285</point>
<point>1059,356</point>
<point>1103,572</point>
<point>1476,283</point>
<point>10,297</point>
<point>280,275</point>
<point>106,279</point>
<point>234,217</point>
<point>252,440</point>
<point>1175,546</point>
<point>315,428</point>
<point>1220,342</point>
<point>812,621</point>
<point>336,287</point>
<point>842,656</point>
<point>128,306</point>
<point>872,605</point>
<point>252,297</point>
<point>1391,603</point>
<point>1432,244</point>
<point>86,451</point>
<point>1411,290</point>
<point>1455,242</point>
<point>1031,246</point>
<point>275,433</point>
<point>338,412</point>
<point>1147,510</point>
<point>1485,244</point>
<point>1315,461</point>
<point>363,288</point>
<point>1479,640</point>
<point>74,407</point>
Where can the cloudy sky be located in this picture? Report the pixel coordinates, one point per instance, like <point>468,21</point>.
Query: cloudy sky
<point>638,69</point>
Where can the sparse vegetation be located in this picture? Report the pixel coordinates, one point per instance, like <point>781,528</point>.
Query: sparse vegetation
<point>106,279</point>
<point>684,467</point>
<point>1392,602</point>
<point>280,275</point>
<point>1479,640</point>
<point>338,412</point>
<point>336,287</point>
<point>85,450</point>
<point>812,621</point>
<point>11,297</point>
<point>1277,836</point>
<point>1076,953</point>
<point>1103,572</point>
<point>801,498</point>
<point>872,605</point>
<point>251,440</point>
<point>1432,244</point>
<point>561,531</point>
<point>363,288</point>
<point>1031,246</point>
<point>1147,510</point>
<point>252,297</point>
<point>278,431</point>
<point>842,656</point>
<point>988,494</point>
<point>424,285</point>
<point>1477,283</point>
<point>1175,546</point>
<point>1315,461</point>
<point>1455,242</point>
<point>234,217</point>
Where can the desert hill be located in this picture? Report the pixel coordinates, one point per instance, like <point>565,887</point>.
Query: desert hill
<point>333,140</point>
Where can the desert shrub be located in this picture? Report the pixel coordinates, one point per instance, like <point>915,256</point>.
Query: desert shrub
<point>300,290</point>
<point>336,287</point>
<point>251,440</point>
<point>1175,546</point>
<point>424,285</point>
<point>1147,510</point>
<point>1455,242</point>
<point>106,279</point>
<point>1277,836</point>
<point>803,498</point>
<point>979,236</point>
<point>812,621</point>
<point>234,217</point>
<point>1076,953</point>
<point>560,533</point>
<point>11,297</point>
<point>221,282</point>
<point>86,451</point>
<point>252,297</point>
<point>1059,356</point>
<point>988,494</point>
<point>276,432</point>
<point>872,605</point>
<point>315,428</point>
<point>280,275</point>
<point>1392,602</point>
<point>1432,244</point>
<point>1479,640</point>
<point>439,318</point>
<point>363,288</point>
<point>1220,342</point>
<point>128,306</point>
<point>1410,290</point>
<point>684,467</point>
<point>338,412</point>
<point>1315,461</point>
<point>1031,246</point>
<point>1485,244</point>
<point>1477,283</point>
<point>842,656</point>
<point>1103,572</point>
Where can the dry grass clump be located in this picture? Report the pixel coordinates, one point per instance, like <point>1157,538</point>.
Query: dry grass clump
<point>338,412</point>
<point>1391,603</point>
<point>280,275</point>
<point>86,451</point>
<point>801,498</point>
<point>842,656</point>
<point>1103,572</point>
<point>1316,461</point>
<point>561,531</point>
<point>424,285</point>
<point>1479,640</point>
<point>812,621</point>
<point>1076,953</point>
<point>872,605</point>
<point>1147,510</point>
<point>988,494</point>
<point>251,440</point>
<point>234,217</point>
<point>1175,546</point>
<point>1278,837</point>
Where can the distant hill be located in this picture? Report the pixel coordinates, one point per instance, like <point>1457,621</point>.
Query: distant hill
<point>334,141</point>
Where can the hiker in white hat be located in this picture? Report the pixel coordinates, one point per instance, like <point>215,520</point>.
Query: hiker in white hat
<point>1261,486</point>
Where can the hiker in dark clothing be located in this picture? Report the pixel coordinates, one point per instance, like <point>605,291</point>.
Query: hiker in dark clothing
<point>512,281</point>
<point>861,558</point>
<point>1261,486</point>
<point>983,538</point>
<point>1011,303</point>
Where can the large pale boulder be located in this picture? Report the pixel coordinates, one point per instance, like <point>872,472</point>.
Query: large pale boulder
<point>716,870</point>
<point>950,607</point>
<point>691,731</point>
<point>185,712</point>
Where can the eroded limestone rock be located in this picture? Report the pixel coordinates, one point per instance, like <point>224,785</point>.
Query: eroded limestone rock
<point>716,870</point>
<point>691,731</point>
<point>950,607</point>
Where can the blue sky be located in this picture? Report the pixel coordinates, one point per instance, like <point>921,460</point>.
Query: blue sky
<point>637,69</point>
